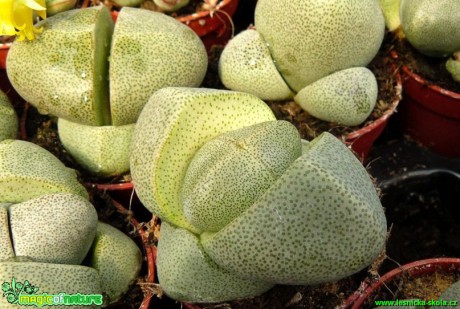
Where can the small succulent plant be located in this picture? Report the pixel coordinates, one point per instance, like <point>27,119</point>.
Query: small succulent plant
<point>66,73</point>
<point>244,202</point>
<point>48,227</point>
<point>430,27</point>
<point>298,44</point>
<point>8,118</point>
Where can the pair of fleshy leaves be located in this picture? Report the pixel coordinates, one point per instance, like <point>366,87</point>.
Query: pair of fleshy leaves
<point>320,220</point>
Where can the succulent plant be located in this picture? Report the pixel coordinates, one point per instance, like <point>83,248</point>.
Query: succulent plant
<point>36,234</point>
<point>116,258</point>
<point>347,96</point>
<point>28,171</point>
<point>279,211</point>
<point>297,43</point>
<point>66,72</point>
<point>102,150</point>
<point>8,118</point>
<point>431,27</point>
<point>48,227</point>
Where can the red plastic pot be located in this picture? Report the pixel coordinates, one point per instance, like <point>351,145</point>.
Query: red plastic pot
<point>414,269</point>
<point>3,53</point>
<point>214,27</point>
<point>430,114</point>
<point>362,140</point>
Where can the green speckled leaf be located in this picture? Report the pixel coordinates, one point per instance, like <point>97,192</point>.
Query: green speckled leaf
<point>51,279</point>
<point>54,228</point>
<point>8,119</point>
<point>229,173</point>
<point>28,171</point>
<point>104,151</point>
<point>321,221</point>
<point>150,51</point>
<point>64,71</point>
<point>186,273</point>
<point>246,65</point>
<point>6,249</point>
<point>173,125</point>
<point>309,39</point>
<point>346,97</point>
<point>432,27</point>
<point>117,258</point>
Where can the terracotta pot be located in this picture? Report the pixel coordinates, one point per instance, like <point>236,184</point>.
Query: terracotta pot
<point>430,114</point>
<point>368,291</point>
<point>213,27</point>
<point>362,140</point>
<point>3,53</point>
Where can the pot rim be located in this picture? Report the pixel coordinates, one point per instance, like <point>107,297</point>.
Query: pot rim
<point>382,119</point>
<point>419,79</point>
<point>5,45</point>
<point>426,266</point>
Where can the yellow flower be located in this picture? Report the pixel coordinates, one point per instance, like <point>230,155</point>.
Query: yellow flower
<point>16,17</point>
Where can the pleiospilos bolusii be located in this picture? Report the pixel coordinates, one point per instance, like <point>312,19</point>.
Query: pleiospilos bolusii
<point>28,171</point>
<point>65,72</point>
<point>48,227</point>
<point>432,27</point>
<point>297,43</point>
<point>303,212</point>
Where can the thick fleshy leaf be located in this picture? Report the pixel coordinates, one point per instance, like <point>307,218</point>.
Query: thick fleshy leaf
<point>64,237</point>
<point>186,273</point>
<point>64,72</point>
<point>432,27</point>
<point>117,258</point>
<point>150,51</point>
<point>246,65</point>
<point>229,173</point>
<point>28,171</point>
<point>346,97</point>
<point>310,39</point>
<point>8,119</point>
<point>321,221</point>
<point>103,151</point>
<point>173,125</point>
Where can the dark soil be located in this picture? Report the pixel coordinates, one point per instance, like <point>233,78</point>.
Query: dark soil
<point>423,216</point>
<point>310,127</point>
